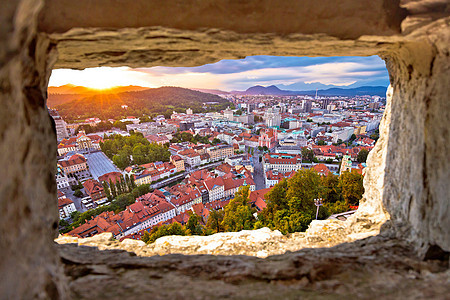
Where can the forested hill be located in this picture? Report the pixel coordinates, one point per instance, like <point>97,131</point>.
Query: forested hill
<point>65,93</point>
<point>150,102</point>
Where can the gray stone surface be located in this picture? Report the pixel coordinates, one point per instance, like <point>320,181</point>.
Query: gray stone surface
<point>29,217</point>
<point>260,243</point>
<point>374,268</point>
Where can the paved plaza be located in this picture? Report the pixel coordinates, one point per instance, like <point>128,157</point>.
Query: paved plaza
<point>99,164</point>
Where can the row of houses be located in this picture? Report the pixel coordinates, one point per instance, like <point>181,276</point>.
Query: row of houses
<point>195,155</point>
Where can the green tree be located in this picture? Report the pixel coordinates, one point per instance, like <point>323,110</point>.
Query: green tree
<point>215,220</point>
<point>351,184</point>
<point>336,207</point>
<point>123,185</point>
<point>119,187</point>
<point>121,125</point>
<point>120,149</point>
<point>290,204</point>
<point>307,154</point>
<point>193,224</point>
<point>141,190</point>
<point>113,189</point>
<point>63,223</point>
<point>164,230</point>
<point>276,201</point>
<point>132,183</point>
<point>107,190</point>
<point>121,160</point>
<point>332,191</point>
<point>75,216</point>
<point>303,188</point>
<point>186,137</point>
<point>238,213</point>
<point>145,119</point>
<point>78,193</point>
<point>362,156</point>
<point>321,143</point>
<point>86,127</point>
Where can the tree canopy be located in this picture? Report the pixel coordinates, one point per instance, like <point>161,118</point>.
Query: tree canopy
<point>290,203</point>
<point>362,155</point>
<point>134,149</point>
<point>351,184</point>
<point>163,230</point>
<point>238,213</point>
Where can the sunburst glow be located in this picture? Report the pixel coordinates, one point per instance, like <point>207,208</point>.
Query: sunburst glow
<point>102,78</point>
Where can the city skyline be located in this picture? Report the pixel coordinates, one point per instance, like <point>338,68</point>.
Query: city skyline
<point>289,73</point>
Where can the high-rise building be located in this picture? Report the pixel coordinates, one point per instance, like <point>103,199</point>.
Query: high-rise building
<point>306,106</point>
<point>273,118</point>
<point>184,126</point>
<point>374,105</point>
<point>60,124</point>
<point>325,103</point>
<point>251,107</point>
<point>228,114</point>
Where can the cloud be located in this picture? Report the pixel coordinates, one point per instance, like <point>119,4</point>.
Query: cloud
<point>241,74</point>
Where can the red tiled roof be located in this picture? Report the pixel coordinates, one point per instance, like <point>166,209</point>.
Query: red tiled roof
<point>321,169</point>
<point>255,195</point>
<point>73,160</point>
<point>111,176</point>
<point>63,201</point>
<point>211,183</point>
<point>260,203</point>
<point>92,186</point>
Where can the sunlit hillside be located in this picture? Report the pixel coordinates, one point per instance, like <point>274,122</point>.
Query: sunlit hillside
<point>77,103</point>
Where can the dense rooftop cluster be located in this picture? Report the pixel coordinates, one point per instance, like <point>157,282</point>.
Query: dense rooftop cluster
<point>259,143</point>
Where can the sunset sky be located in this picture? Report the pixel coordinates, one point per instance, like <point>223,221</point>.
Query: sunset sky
<point>290,73</point>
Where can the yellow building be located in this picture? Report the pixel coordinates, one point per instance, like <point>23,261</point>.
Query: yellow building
<point>360,129</point>
<point>178,162</point>
<point>84,142</point>
<point>75,164</point>
<point>220,152</point>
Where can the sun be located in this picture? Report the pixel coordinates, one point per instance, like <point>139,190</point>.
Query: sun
<point>101,78</point>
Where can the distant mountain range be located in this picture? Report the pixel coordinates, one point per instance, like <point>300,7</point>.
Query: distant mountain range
<point>210,91</point>
<point>81,103</point>
<point>274,90</point>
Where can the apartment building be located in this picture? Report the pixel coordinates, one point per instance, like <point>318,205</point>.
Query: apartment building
<point>282,162</point>
<point>74,165</point>
<point>220,152</point>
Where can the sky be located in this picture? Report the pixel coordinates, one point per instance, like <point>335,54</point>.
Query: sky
<point>288,73</point>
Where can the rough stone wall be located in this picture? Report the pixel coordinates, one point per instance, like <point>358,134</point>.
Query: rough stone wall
<point>346,19</point>
<point>407,171</point>
<point>373,268</point>
<point>371,211</point>
<point>28,260</point>
<point>416,190</point>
